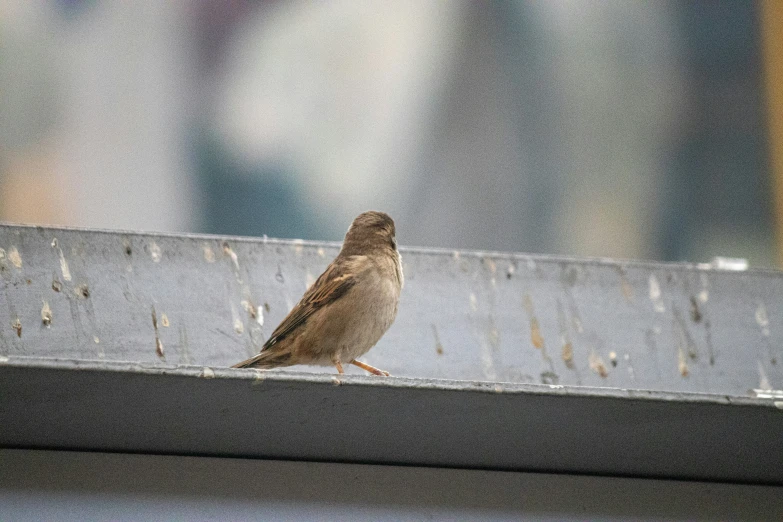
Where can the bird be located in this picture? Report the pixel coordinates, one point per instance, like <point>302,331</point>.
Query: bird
<point>348,308</point>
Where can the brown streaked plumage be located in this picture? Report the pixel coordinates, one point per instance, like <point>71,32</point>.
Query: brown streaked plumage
<point>348,308</point>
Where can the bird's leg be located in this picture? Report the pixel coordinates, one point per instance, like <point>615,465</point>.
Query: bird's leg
<point>372,369</point>
<point>339,367</point>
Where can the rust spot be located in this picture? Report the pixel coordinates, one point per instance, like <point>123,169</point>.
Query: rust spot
<point>83,291</point>
<point>568,354</point>
<point>535,333</point>
<point>250,308</point>
<point>682,363</point>
<point>695,312</point>
<point>438,345</point>
<point>597,365</point>
<point>28,281</point>
<point>56,285</point>
<point>17,325</point>
<point>158,342</point>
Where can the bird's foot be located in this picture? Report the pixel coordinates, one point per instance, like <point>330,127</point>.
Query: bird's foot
<point>372,369</point>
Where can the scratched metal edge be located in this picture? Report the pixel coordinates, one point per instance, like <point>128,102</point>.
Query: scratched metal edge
<point>493,387</point>
<point>476,254</point>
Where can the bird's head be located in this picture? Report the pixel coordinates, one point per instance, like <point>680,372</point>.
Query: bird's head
<point>370,231</point>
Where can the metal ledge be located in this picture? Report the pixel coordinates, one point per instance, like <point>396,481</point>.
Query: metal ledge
<point>92,405</point>
<point>82,294</point>
<point>649,370</point>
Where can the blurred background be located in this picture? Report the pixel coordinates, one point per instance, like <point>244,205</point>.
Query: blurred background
<point>631,129</point>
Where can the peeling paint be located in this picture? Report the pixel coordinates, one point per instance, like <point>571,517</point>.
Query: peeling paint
<point>15,257</point>
<point>155,252</point>
<point>64,268</point>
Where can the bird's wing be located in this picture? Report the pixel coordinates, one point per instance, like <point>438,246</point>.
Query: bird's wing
<point>330,286</point>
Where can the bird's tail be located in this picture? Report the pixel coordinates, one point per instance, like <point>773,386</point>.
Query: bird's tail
<point>266,360</point>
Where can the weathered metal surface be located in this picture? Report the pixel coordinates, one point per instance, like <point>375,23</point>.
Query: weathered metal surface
<point>300,416</point>
<point>207,300</point>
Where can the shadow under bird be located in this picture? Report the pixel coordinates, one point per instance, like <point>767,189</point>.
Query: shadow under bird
<point>348,308</point>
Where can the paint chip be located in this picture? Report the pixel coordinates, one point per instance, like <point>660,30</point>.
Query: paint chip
<point>164,320</point>
<point>209,254</point>
<point>46,314</point>
<point>473,302</point>
<point>207,373</point>
<point>17,325</point>
<point>655,294</point>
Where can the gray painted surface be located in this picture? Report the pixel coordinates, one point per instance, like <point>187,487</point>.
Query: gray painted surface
<point>118,341</point>
<point>46,485</point>
<point>471,316</point>
<point>364,419</point>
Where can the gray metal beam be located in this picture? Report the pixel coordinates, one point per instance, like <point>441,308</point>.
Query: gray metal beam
<point>364,419</point>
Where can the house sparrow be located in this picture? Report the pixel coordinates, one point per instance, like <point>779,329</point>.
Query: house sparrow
<point>348,308</point>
